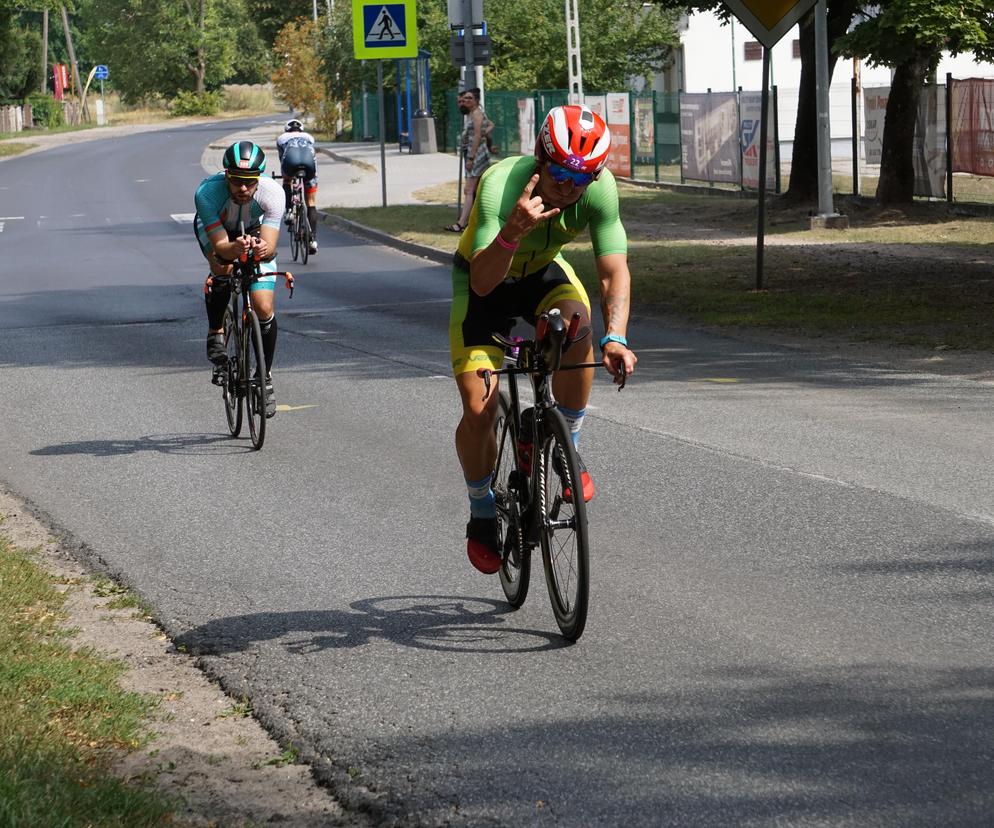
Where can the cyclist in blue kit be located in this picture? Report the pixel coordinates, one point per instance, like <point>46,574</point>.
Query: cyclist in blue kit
<point>224,201</point>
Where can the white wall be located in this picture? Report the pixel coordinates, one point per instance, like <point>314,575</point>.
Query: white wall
<point>709,61</point>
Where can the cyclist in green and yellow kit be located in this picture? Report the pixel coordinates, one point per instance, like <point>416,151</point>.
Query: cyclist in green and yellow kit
<point>509,265</point>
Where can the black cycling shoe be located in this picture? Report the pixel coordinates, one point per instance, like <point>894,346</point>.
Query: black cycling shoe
<point>216,352</point>
<point>270,397</point>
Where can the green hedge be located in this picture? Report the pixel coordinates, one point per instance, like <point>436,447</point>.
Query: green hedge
<point>190,103</point>
<point>46,111</point>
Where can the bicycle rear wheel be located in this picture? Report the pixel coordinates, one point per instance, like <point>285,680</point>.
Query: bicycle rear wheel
<point>510,487</point>
<point>229,388</point>
<point>255,376</point>
<point>563,530</point>
<point>294,235</point>
<point>305,235</point>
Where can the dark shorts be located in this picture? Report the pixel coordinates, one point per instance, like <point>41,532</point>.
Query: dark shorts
<point>474,319</point>
<point>298,158</point>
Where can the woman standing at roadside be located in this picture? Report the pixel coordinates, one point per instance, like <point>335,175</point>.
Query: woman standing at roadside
<point>474,150</point>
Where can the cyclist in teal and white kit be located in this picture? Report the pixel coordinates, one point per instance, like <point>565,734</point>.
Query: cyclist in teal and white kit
<point>239,195</point>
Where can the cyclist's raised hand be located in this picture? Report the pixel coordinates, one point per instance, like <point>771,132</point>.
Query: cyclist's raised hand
<point>261,248</point>
<point>619,361</point>
<point>527,213</point>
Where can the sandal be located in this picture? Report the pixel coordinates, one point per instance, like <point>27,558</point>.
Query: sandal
<point>455,227</point>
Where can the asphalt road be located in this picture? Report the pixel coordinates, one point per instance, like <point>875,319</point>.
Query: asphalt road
<point>793,554</point>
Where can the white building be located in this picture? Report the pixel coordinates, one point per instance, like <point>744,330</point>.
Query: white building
<point>723,58</point>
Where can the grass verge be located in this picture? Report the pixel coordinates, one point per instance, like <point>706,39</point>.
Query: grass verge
<point>14,148</point>
<point>63,719</point>
<point>915,277</point>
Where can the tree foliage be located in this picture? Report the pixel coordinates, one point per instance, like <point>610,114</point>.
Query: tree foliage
<point>298,76</point>
<point>163,47</point>
<point>20,60</point>
<point>270,16</point>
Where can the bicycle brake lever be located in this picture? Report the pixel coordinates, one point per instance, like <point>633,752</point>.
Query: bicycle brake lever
<point>624,376</point>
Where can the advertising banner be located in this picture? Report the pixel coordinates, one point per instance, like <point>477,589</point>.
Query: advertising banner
<point>619,121</point>
<point>709,133</point>
<point>929,150</point>
<point>61,74</point>
<point>750,122</point>
<point>645,131</point>
<point>526,124</point>
<point>972,126</point>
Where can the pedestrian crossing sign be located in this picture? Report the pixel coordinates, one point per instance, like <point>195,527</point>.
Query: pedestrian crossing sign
<point>384,29</point>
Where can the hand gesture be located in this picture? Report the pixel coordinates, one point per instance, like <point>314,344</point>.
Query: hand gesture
<point>527,213</point>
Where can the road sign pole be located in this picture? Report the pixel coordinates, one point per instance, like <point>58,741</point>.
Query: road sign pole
<point>825,205</point>
<point>467,16</point>
<point>383,131</point>
<point>763,137</point>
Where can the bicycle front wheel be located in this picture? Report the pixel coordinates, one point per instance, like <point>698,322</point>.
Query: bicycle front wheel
<point>232,398</point>
<point>563,530</point>
<point>510,487</point>
<point>255,380</point>
<point>294,234</point>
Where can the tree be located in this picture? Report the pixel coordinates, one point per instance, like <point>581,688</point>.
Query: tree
<point>20,56</point>
<point>911,35</point>
<point>163,47</point>
<point>270,16</point>
<point>298,77</point>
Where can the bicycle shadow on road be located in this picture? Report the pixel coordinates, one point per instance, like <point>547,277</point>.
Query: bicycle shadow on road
<point>448,623</point>
<point>191,444</point>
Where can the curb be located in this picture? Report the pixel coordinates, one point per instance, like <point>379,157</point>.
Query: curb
<point>422,251</point>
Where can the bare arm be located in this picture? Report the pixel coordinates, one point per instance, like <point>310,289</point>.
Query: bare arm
<point>616,285</point>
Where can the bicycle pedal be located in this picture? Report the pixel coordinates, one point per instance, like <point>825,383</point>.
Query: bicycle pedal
<point>217,375</point>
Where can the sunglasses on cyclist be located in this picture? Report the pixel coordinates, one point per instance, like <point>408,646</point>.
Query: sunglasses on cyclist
<point>561,175</point>
<point>242,181</point>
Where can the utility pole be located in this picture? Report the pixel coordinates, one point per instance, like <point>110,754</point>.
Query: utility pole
<point>573,53</point>
<point>75,66</point>
<point>827,217</point>
<point>314,3</point>
<point>44,51</point>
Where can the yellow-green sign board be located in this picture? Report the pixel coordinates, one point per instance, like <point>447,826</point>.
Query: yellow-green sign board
<point>384,29</point>
<point>769,20</point>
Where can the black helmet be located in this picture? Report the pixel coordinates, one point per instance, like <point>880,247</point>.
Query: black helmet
<point>245,159</point>
<point>293,125</point>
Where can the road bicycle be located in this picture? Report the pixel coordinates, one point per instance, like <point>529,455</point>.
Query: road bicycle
<point>298,224</point>
<point>242,377</point>
<point>536,480</point>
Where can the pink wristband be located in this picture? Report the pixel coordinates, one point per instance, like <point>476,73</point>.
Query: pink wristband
<point>506,244</point>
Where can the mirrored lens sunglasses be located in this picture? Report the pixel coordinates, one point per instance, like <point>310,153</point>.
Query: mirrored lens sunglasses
<point>561,175</point>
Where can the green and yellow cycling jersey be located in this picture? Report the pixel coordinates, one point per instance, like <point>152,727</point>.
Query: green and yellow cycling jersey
<point>500,188</point>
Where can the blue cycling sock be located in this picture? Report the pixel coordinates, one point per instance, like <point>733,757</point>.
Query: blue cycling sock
<point>574,419</point>
<point>481,498</point>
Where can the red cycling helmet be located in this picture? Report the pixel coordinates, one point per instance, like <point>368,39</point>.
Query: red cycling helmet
<point>574,137</point>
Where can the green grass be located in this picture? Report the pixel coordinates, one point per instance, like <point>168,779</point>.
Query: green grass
<point>823,283</point>
<point>62,716</point>
<point>14,148</point>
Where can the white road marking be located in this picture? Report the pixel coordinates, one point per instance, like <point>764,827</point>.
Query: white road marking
<point>182,218</point>
<point>11,218</point>
<point>141,180</point>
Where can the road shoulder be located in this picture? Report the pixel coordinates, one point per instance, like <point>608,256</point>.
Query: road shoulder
<point>208,751</point>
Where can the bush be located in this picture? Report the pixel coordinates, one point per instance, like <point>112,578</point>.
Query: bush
<point>46,111</point>
<point>190,103</point>
<point>256,97</point>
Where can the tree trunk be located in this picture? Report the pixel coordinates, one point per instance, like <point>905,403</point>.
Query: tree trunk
<point>201,69</point>
<point>803,185</point>
<point>897,170</point>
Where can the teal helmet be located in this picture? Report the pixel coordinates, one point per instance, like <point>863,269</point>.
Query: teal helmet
<point>244,159</point>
